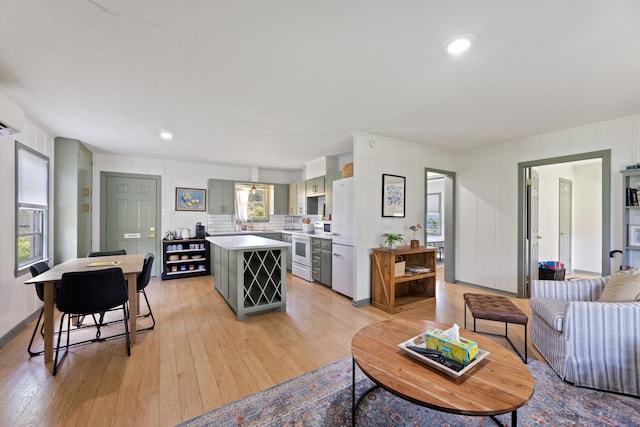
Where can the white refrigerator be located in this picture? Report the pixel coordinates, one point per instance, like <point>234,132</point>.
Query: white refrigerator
<point>343,238</point>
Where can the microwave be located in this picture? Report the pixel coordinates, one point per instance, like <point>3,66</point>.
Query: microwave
<point>322,227</point>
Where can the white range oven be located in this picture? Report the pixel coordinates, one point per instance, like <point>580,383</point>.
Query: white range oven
<point>301,256</point>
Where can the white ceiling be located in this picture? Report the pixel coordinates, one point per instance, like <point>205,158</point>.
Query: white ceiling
<point>276,83</point>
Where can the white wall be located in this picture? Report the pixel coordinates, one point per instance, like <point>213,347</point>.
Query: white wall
<point>17,300</point>
<point>487,223</point>
<point>585,212</point>
<point>373,156</point>
<point>587,218</point>
<point>175,174</point>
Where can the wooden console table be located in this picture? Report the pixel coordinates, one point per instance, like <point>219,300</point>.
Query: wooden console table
<point>394,294</point>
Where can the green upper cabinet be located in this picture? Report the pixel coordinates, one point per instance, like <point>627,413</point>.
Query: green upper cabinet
<point>301,198</point>
<point>297,198</point>
<point>221,200</point>
<point>315,186</point>
<point>280,199</point>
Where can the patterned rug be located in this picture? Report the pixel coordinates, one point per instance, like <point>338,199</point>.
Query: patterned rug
<point>323,398</point>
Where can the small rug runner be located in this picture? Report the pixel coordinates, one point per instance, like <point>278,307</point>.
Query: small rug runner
<point>323,398</point>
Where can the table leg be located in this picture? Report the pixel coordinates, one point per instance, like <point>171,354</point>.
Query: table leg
<point>353,392</point>
<point>49,288</point>
<point>133,306</point>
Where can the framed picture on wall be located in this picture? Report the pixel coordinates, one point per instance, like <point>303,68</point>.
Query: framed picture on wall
<point>191,199</point>
<point>634,235</point>
<point>393,195</point>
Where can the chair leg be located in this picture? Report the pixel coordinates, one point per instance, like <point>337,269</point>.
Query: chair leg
<point>148,314</point>
<point>126,328</point>
<point>35,330</point>
<point>56,363</point>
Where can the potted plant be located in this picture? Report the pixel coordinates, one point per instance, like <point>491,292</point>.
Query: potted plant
<point>391,239</point>
<point>414,242</point>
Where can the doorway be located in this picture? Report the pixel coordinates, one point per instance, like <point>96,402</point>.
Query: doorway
<point>130,213</point>
<point>439,223</point>
<point>545,240</point>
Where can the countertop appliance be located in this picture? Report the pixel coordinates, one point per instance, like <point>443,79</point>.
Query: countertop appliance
<point>301,256</point>
<point>342,232</point>
<point>322,227</point>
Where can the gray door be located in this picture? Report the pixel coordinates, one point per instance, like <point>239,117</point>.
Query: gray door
<point>564,223</point>
<point>533,231</point>
<point>129,213</point>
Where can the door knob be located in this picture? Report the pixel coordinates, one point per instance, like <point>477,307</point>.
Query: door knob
<point>151,236</point>
<point>538,237</point>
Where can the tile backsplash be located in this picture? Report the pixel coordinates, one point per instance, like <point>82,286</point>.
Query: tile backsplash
<point>276,222</point>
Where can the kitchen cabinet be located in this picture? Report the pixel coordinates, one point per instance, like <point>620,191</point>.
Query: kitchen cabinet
<point>221,196</point>
<point>314,186</point>
<point>286,237</point>
<point>72,200</point>
<point>321,260</point>
<point>280,199</point>
<point>249,274</point>
<point>631,219</point>
<point>393,293</point>
<point>297,198</point>
<point>328,187</point>
<point>185,258</point>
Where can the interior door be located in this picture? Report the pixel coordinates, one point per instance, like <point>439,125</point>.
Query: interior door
<point>533,231</point>
<point>564,223</point>
<point>129,217</point>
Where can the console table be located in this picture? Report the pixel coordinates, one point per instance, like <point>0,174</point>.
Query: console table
<point>393,293</point>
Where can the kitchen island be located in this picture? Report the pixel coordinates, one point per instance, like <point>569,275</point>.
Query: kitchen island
<point>250,273</point>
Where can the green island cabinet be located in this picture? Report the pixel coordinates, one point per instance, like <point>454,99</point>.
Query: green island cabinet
<point>249,272</point>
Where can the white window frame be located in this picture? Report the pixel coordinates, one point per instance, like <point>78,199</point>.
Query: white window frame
<point>39,231</point>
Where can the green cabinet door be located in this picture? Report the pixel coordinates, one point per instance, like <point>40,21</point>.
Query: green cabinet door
<point>221,197</point>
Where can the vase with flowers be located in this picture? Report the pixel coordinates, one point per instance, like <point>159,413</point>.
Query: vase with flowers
<point>415,242</point>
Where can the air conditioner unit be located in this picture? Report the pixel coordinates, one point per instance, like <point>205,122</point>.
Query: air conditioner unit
<point>7,130</point>
<point>11,117</point>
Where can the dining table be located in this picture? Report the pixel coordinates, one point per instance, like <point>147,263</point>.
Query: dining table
<point>131,266</point>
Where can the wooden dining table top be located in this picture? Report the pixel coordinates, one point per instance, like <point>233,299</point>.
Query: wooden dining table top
<point>128,263</point>
<point>498,384</point>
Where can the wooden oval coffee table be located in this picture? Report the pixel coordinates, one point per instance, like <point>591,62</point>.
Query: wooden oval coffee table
<point>499,384</point>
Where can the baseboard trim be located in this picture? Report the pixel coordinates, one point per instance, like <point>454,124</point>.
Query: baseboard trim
<point>18,328</point>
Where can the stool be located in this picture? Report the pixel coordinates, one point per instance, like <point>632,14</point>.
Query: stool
<point>497,308</point>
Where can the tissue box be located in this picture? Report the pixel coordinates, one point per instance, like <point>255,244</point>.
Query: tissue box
<point>463,351</point>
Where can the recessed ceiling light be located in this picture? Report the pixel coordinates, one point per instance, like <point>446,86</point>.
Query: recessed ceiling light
<point>166,135</point>
<point>459,44</point>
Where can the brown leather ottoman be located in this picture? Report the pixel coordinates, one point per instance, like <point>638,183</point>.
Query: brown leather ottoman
<point>497,308</point>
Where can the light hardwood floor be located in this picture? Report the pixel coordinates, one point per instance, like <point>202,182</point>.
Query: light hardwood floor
<point>199,357</point>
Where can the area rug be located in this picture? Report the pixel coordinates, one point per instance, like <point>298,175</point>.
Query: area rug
<point>323,398</point>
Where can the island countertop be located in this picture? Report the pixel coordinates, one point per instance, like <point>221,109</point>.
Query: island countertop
<point>244,242</point>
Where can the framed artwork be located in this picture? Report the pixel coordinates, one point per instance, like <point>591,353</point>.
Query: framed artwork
<point>191,199</point>
<point>634,235</point>
<point>432,221</point>
<point>393,195</point>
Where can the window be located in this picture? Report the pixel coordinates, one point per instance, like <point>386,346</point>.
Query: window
<point>252,202</point>
<point>32,206</point>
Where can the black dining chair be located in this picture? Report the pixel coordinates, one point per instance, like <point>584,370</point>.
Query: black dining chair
<point>143,281</point>
<point>107,253</point>
<point>36,270</point>
<point>91,292</point>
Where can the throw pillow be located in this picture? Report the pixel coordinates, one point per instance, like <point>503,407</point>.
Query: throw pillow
<point>622,287</point>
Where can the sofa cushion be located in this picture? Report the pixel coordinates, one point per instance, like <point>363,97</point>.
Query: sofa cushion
<point>622,287</point>
<point>551,310</point>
